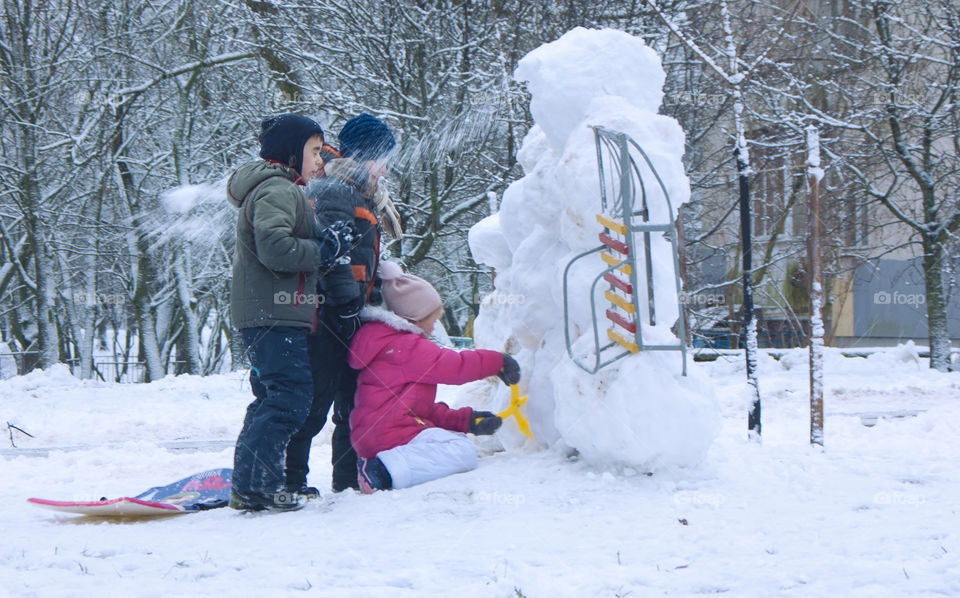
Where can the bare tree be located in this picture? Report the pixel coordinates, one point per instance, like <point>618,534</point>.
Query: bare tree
<point>893,72</point>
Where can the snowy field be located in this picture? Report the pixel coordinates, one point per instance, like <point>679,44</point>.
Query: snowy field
<point>874,514</point>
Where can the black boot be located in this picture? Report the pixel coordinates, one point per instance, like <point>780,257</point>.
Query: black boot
<point>278,502</point>
<point>307,492</point>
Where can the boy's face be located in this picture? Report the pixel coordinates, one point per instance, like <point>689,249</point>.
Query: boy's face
<point>311,166</point>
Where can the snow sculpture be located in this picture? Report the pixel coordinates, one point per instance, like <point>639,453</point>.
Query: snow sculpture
<point>638,411</point>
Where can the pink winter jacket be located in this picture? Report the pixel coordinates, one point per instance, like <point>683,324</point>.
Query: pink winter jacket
<point>397,384</point>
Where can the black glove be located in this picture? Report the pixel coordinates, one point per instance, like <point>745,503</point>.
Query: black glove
<point>335,241</point>
<point>346,319</point>
<point>510,372</point>
<point>483,423</point>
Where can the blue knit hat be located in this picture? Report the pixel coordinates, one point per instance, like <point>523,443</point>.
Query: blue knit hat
<point>366,137</point>
<point>282,138</point>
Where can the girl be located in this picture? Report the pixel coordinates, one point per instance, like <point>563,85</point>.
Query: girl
<point>402,436</point>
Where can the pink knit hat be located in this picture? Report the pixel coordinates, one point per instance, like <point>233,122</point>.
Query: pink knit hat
<point>408,296</point>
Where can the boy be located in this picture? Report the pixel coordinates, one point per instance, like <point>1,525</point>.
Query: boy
<point>280,248</point>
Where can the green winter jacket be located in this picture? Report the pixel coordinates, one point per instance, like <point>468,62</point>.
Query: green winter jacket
<point>276,259</point>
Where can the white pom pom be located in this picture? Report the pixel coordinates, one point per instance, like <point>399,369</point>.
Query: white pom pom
<point>389,270</point>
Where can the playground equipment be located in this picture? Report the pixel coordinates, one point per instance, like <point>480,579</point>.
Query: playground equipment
<point>624,215</point>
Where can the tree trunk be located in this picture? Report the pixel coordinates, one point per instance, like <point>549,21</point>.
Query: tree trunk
<point>816,288</point>
<point>147,329</point>
<point>742,155</point>
<point>238,356</point>
<point>939,335</point>
<point>47,332</point>
<point>88,320</point>
<point>45,295</point>
<point>751,343</point>
<point>191,340</point>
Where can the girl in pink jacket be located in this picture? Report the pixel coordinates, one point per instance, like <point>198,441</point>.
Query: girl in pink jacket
<point>401,434</point>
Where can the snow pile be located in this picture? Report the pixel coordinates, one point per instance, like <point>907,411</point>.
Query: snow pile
<point>640,410</point>
<point>903,359</point>
<point>905,353</point>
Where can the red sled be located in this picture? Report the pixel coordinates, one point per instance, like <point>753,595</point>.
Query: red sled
<point>199,492</point>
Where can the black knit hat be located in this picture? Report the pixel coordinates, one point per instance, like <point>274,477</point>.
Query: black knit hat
<point>366,137</point>
<point>282,138</point>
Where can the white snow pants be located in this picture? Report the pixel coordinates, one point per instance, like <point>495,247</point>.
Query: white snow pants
<point>432,454</point>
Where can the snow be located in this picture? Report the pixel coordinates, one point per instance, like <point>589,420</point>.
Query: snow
<point>813,153</point>
<point>874,514</point>
<point>639,412</point>
<point>181,200</point>
<point>491,245</point>
<point>564,76</point>
<point>197,213</point>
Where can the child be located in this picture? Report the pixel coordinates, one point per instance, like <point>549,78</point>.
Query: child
<point>401,435</point>
<point>347,192</point>
<point>279,252</point>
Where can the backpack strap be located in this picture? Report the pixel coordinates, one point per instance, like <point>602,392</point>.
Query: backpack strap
<point>362,213</point>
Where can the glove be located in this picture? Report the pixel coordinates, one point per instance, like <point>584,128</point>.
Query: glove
<point>347,319</point>
<point>348,326</point>
<point>510,371</point>
<point>483,423</point>
<point>335,241</point>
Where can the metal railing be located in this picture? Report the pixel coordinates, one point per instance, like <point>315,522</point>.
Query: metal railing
<point>629,211</point>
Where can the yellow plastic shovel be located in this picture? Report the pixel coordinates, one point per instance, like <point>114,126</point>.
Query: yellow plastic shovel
<point>517,401</point>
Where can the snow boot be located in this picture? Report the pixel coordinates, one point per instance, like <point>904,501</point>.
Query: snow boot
<point>306,492</point>
<point>372,475</point>
<point>279,502</point>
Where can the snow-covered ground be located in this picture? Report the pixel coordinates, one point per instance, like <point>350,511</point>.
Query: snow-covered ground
<point>873,514</point>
